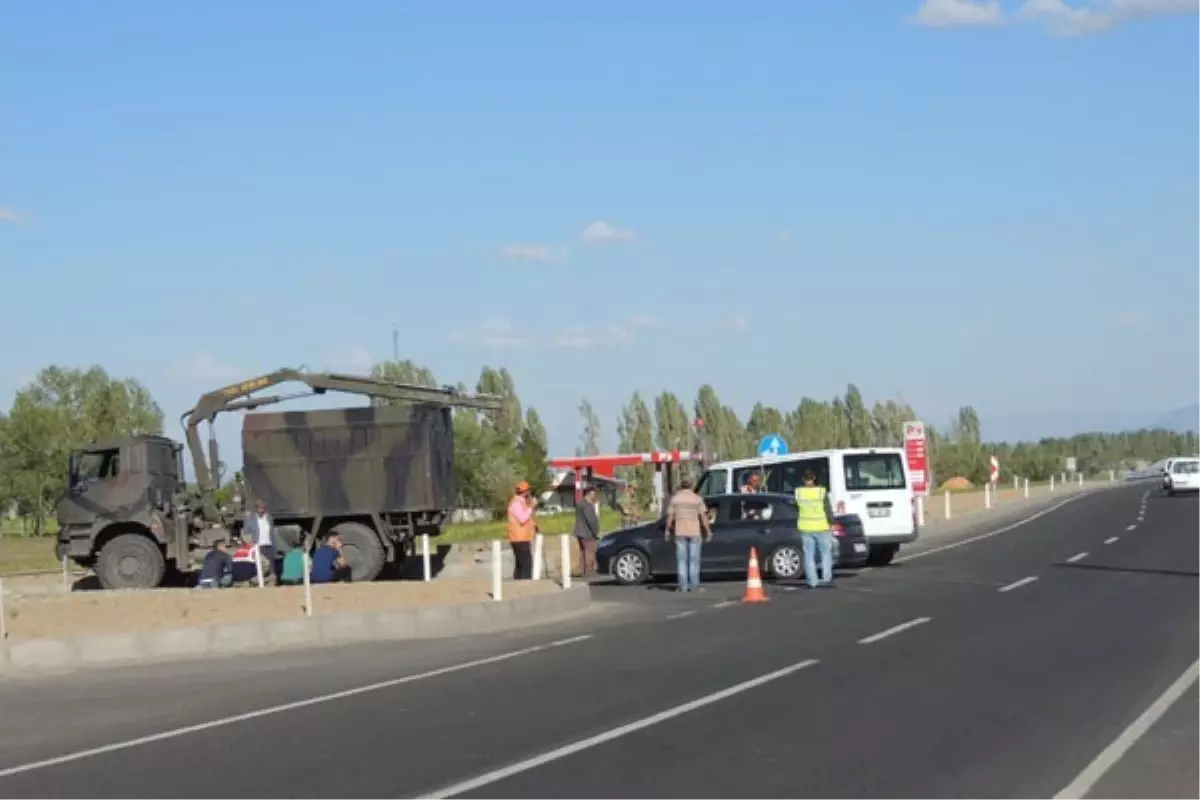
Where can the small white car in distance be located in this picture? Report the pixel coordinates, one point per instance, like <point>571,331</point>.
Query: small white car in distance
<point>1184,476</point>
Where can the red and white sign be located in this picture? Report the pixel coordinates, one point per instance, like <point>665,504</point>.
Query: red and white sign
<point>995,466</point>
<point>915,453</point>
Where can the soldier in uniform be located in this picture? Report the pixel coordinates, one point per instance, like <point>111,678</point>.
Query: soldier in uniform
<point>628,507</point>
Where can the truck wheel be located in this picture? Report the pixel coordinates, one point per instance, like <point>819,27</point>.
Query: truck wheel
<point>364,551</point>
<point>130,561</point>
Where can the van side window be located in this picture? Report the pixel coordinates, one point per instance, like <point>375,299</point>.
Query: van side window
<point>793,473</point>
<point>713,483</point>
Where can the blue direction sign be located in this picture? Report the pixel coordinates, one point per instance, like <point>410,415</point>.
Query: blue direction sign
<point>772,445</point>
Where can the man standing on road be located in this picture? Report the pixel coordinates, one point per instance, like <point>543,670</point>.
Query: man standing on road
<point>521,527</point>
<point>687,521</point>
<point>587,532</point>
<point>814,520</point>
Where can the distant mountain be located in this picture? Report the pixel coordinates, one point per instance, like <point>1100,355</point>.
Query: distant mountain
<point>1043,424</point>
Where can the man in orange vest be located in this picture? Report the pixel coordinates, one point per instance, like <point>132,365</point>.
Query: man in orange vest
<point>521,527</point>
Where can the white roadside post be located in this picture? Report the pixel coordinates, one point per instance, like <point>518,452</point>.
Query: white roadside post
<point>1051,484</point>
<point>307,583</point>
<point>1016,483</point>
<point>496,584</point>
<point>1027,488</point>
<point>1080,479</point>
<point>66,575</point>
<point>920,510</point>
<point>539,543</point>
<point>1112,475</point>
<point>987,495</point>
<point>426,570</point>
<point>566,561</point>
<point>946,502</point>
<point>258,565</point>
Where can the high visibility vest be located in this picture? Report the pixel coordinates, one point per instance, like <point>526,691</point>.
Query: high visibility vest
<point>810,502</point>
<point>518,532</point>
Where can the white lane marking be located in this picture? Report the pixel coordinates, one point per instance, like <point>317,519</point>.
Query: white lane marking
<point>1130,527</point>
<point>584,744</point>
<point>989,534</point>
<point>1077,557</point>
<point>725,604</point>
<point>279,709</point>
<point>1018,584</point>
<point>912,623</point>
<point>681,615</point>
<point>1112,539</point>
<point>787,588</point>
<point>1110,755</point>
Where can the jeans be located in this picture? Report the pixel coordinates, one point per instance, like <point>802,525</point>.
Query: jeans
<point>812,542</point>
<point>224,582</point>
<point>687,561</point>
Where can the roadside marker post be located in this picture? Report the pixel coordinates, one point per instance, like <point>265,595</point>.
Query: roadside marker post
<point>258,565</point>
<point>427,572</point>
<point>307,585</point>
<point>946,502</point>
<point>1080,478</point>
<point>1027,488</point>
<point>987,495</point>
<point>1051,484</point>
<point>920,510</point>
<point>539,544</point>
<point>496,583</point>
<point>1112,475</point>
<point>66,575</point>
<point>566,561</point>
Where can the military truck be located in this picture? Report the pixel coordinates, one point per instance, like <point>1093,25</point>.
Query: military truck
<point>379,476</point>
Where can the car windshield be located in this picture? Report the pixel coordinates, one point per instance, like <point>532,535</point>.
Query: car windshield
<point>1186,467</point>
<point>874,471</point>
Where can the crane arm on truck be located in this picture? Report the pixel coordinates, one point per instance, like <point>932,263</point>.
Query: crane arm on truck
<point>237,397</point>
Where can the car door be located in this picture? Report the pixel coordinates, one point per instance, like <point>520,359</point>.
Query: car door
<point>741,521</point>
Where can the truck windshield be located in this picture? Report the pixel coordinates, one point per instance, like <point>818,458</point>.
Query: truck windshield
<point>96,466</point>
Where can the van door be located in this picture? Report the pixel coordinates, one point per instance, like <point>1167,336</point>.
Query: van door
<point>875,487</point>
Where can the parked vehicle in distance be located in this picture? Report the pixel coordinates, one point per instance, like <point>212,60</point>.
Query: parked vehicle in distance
<point>871,482</point>
<point>765,521</point>
<point>1183,477</point>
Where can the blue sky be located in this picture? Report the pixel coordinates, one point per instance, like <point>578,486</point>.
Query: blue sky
<point>952,202</point>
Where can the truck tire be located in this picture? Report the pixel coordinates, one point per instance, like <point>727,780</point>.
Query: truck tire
<point>364,551</point>
<point>130,561</point>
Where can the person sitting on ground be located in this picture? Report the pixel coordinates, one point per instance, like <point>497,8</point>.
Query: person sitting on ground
<point>329,562</point>
<point>292,572</point>
<point>217,570</point>
<point>244,568</point>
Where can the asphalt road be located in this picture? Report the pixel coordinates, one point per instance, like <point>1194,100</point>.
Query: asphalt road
<point>1000,662</point>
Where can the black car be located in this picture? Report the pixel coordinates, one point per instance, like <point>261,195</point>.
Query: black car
<point>739,521</point>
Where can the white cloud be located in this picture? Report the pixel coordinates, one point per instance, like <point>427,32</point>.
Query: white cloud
<point>203,368</point>
<point>958,13</point>
<point>600,233</point>
<point>495,333</point>
<point>11,215</point>
<point>731,323</point>
<point>528,252</point>
<point>1058,17</point>
<point>1130,318</point>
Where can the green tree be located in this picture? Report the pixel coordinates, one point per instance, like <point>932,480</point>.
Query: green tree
<point>636,431</point>
<point>590,441</point>
<point>534,452</point>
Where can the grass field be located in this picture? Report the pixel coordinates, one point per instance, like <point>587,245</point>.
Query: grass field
<point>23,553</point>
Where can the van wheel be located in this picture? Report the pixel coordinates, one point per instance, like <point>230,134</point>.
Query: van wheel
<point>130,561</point>
<point>364,551</point>
<point>881,555</point>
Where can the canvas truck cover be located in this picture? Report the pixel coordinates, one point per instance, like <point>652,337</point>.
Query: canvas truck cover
<point>350,460</point>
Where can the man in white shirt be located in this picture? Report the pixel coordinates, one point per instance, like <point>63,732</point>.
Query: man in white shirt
<point>260,529</point>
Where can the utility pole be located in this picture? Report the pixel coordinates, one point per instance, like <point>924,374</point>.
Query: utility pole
<point>395,344</point>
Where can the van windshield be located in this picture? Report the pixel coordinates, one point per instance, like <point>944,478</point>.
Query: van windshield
<point>869,471</point>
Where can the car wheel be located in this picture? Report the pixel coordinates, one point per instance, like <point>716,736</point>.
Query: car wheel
<point>880,555</point>
<point>786,562</point>
<point>630,567</point>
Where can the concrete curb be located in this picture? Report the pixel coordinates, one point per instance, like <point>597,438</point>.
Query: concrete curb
<point>417,622</point>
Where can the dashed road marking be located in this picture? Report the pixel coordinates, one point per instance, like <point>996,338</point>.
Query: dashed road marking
<point>1111,539</point>
<point>903,626</point>
<point>1018,584</point>
<point>1077,557</point>
<point>681,615</point>
<point>1130,527</point>
<point>725,604</point>
<point>583,744</point>
<point>279,709</point>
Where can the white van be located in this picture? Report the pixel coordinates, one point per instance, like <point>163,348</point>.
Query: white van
<point>872,482</point>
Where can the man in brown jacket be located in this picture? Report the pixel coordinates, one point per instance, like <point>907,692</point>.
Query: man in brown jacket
<point>687,521</point>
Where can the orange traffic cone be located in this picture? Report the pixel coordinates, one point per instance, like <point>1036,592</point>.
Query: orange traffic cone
<point>754,586</point>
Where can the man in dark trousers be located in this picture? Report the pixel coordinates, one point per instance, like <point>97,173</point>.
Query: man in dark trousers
<point>587,532</point>
<point>217,570</point>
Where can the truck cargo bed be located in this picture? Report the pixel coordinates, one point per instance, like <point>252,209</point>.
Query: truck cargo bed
<point>349,461</point>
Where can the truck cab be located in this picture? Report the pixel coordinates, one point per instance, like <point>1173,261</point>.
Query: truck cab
<point>116,515</point>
